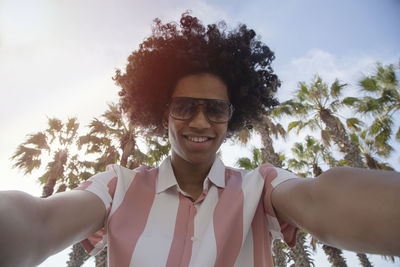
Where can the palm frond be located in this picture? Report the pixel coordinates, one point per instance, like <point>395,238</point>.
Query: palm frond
<point>350,101</point>
<point>336,88</point>
<point>280,110</point>
<point>55,124</point>
<point>113,115</point>
<point>294,124</point>
<point>368,84</point>
<point>335,105</point>
<point>303,94</point>
<point>26,158</point>
<point>72,127</point>
<point>244,163</point>
<point>244,135</point>
<point>54,129</point>
<point>354,124</point>
<point>281,130</point>
<point>297,164</point>
<point>381,124</point>
<point>39,140</point>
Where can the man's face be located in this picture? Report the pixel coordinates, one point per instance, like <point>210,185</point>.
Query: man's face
<point>197,140</point>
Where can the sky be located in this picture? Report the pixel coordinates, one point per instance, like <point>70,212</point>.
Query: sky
<point>57,59</point>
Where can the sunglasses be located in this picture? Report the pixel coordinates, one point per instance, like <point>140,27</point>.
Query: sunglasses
<point>216,110</point>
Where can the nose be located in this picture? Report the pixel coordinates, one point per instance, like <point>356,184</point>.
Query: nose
<point>199,120</point>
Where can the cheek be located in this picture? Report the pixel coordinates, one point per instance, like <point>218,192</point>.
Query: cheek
<point>173,130</point>
<point>222,130</point>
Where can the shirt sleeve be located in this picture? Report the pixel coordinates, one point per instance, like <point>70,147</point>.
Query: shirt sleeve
<point>103,185</point>
<point>278,229</point>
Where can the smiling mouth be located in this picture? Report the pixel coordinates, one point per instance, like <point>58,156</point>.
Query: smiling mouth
<point>197,139</point>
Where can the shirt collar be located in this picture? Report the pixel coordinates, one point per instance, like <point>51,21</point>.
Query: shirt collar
<point>166,177</point>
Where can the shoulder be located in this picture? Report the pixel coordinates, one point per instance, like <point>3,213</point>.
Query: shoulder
<point>273,175</point>
<point>266,172</point>
<point>117,176</point>
<point>123,172</point>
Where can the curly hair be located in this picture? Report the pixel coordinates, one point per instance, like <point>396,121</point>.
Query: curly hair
<point>175,50</point>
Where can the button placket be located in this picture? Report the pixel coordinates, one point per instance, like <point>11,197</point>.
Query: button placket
<point>193,212</point>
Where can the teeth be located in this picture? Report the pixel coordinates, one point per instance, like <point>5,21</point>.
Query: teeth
<point>197,139</point>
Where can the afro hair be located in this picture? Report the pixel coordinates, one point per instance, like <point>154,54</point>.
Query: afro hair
<point>175,50</point>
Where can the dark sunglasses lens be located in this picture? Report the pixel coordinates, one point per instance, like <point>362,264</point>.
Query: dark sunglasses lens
<point>182,108</point>
<point>218,111</point>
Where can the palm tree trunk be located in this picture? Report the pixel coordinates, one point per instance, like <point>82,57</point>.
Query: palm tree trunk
<point>371,162</point>
<point>334,256</point>
<point>349,148</point>
<point>101,259</point>
<point>127,146</point>
<point>364,260</point>
<point>56,169</point>
<point>299,253</point>
<point>48,188</point>
<point>339,136</point>
<point>278,254</point>
<point>268,153</point>
<point>77,256</point>
<point>317,171</point>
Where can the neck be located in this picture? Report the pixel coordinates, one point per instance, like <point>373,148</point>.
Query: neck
<point>189,176</point>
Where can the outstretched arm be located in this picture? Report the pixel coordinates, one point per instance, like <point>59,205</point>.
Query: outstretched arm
<point>349,208</point>
<point>32,228</point>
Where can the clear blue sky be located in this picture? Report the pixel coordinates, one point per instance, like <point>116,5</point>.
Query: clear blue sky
<point>57,57</point>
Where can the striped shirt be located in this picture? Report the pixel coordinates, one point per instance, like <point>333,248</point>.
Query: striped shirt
<point>151,222</point>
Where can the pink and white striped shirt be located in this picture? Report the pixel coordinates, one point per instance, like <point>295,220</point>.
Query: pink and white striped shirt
<point>151,222</point>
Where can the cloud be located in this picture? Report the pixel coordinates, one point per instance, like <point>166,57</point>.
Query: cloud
<point>348,69</point>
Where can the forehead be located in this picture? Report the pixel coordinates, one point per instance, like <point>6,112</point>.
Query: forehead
<point>201,86</point>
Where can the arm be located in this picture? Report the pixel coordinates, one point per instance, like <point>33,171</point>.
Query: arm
<point>349,208</point>
<point>32,228</point>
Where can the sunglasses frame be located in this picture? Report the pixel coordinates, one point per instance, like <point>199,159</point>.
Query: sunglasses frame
<point>230,106</point>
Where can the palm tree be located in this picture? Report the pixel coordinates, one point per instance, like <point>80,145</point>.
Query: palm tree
<point>381,100</point>
<point>307,158</point>
<point>315,104</point>
<point>112,139</point>
<point>58,141</point>
<point>368,150</point>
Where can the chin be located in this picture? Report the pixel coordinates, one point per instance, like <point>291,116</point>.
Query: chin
<point>198,158</point>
